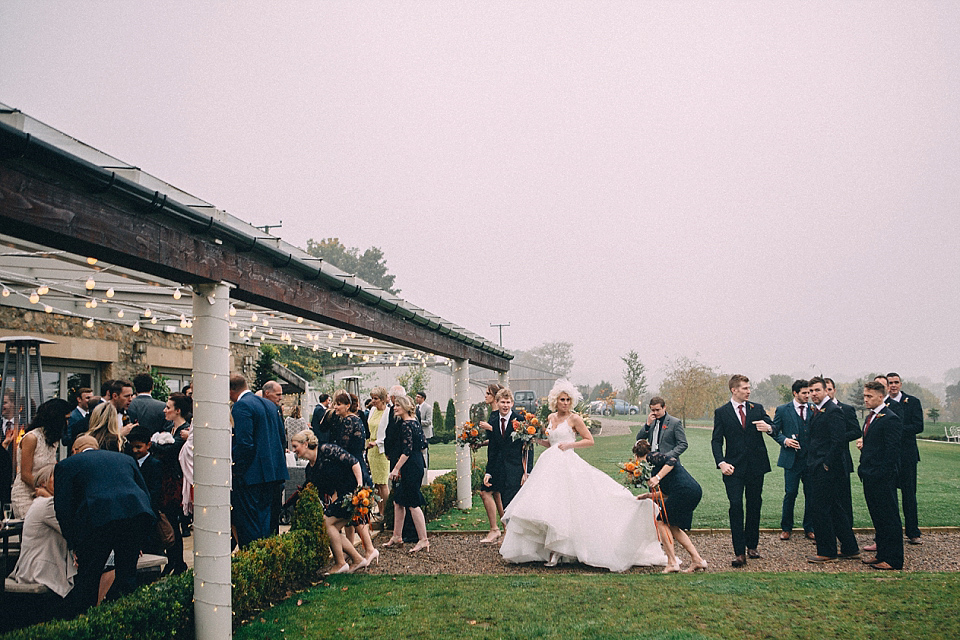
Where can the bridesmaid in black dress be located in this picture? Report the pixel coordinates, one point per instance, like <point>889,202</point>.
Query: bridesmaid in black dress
<point>681,494</point>
<point>334,473</point>
<point>407,475</point>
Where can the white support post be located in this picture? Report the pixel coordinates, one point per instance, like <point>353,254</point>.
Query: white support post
<point>461,403</point>
<point>211,463</point>
<point>503,377</point>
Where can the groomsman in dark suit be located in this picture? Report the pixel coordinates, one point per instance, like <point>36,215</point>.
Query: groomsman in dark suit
<point>879,458</point>
<point>912,416</point>
<point>665,433</point>
<point>740,423</point>
<point>790,431</point>
<point>826,472</point>
<point>852,433</point>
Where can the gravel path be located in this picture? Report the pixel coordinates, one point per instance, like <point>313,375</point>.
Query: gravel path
<point>462,553</point>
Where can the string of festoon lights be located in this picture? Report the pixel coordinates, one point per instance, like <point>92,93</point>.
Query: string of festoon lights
<point>212,477</point>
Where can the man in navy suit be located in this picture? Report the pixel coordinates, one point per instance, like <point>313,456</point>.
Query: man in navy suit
<point>102,505</point>
<point>741,424</point>
<point>879,459</point>
<point>912,416</point>
<point>790,431</point>
<point>258,461</point>
<point>826,472</point>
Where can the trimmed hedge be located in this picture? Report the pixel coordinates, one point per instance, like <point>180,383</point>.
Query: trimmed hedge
<point>263,573</point>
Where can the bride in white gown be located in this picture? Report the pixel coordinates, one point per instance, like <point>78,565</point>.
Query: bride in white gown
<point>570,510</point>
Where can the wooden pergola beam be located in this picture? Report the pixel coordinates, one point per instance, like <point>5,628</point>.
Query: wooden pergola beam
<point>39,204</point>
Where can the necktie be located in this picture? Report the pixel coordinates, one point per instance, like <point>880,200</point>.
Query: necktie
<point>801,413</point>
<point>503,425</point>
<point>869,420</point>
<point>655,436</point>
<point>743,417</point>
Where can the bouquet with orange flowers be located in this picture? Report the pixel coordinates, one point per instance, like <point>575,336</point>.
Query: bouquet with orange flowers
<point>636,472</point>
<point>470,435</point>
<point>527,430</point>
<point>358,505</point>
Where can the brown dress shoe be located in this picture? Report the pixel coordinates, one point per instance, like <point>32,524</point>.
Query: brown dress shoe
<point>914,540</point>
<point>849,556</point>
<point>784,535</point>
<point>882,566</point>
<point>753,554</point>
<point>873,560</point>
<point>810,535</point>
<point>870,547</point>
<point>820,559</point>
<point>739,561</point>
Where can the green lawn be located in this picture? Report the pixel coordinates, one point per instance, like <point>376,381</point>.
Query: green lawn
<point>938,490</point>
<point>649,606</point>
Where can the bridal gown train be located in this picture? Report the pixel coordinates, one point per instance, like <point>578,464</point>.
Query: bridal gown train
<point>569,507</point>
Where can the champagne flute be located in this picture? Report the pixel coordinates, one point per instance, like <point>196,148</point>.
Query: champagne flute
<point>7,513</point>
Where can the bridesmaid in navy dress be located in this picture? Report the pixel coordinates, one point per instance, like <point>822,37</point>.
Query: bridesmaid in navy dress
<point>407,476</point>
<point>681,494</point>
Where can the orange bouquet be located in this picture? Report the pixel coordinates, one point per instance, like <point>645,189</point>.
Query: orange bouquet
<point>636,473</point>
<point>528,429</point>
<point>470,435</point>
<point>358,505</point>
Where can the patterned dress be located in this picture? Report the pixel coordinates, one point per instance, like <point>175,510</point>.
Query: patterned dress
<point>22,496</point>
<point>379,465</point>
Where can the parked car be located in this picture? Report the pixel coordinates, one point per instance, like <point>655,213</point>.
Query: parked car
<point>526,400</point>
<point>620,407</point>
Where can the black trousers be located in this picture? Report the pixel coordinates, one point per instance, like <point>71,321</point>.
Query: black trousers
<point>908,496</point>
<point>744,527</point>
<point>830,519</point>
<point>881,495</point>
<point>124,538</point>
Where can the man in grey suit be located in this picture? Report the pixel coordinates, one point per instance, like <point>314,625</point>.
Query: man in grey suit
<point>144,409</point>
<point>664,432</point>
<point>790,430</point>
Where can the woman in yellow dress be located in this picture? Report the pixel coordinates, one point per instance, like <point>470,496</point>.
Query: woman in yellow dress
<point>377,423</point>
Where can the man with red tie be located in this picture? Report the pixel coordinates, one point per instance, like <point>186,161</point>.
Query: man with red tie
<point>740,424</point>
<point>879,458</point>
<point>826,472</point>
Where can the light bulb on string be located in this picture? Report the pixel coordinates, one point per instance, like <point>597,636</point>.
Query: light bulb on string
<point>111,292</point>
<point>91,261</point>
<point>43,290</point>
<point>353,335</point>
<point>34,297</point>
<point>147,313</point>
<point>93,303</point>
<point>120,313</point>
<point>183,320</point>
<point>330,336</point>
<point>253,317</point>
<point>299,319</point>
<point>6,292</point>
<point>176,294</point>
<point>153,321</point>
<point>233,310</point>
<point>89,323</point>
<point>90,284</point>
<point>47,308</point>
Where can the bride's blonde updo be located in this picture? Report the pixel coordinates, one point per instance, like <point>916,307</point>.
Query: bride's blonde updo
<point>563,386</point>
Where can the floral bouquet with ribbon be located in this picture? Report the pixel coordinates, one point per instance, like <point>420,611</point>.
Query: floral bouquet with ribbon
<point>636,472</point>
<point>358,505</point>
<point>527,430</point>
<point>470,435</point>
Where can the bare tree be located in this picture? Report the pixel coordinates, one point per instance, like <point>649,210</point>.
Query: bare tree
<point>691,388</point>
<point>556,357</point>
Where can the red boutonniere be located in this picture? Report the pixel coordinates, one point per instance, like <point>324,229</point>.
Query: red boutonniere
<point>906,400</point>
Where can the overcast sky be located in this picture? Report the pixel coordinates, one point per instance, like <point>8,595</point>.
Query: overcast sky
<point>768,187</point>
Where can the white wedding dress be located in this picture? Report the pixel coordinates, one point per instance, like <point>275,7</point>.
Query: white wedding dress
<point>569,507</point>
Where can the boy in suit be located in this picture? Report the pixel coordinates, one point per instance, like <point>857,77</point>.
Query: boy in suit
<point>790,431</point>
<point>740,423</point>
<point>506,468</point>
<point>879,459</point>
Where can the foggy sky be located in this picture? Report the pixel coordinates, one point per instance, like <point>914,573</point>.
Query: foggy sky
<point>768,187</point>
